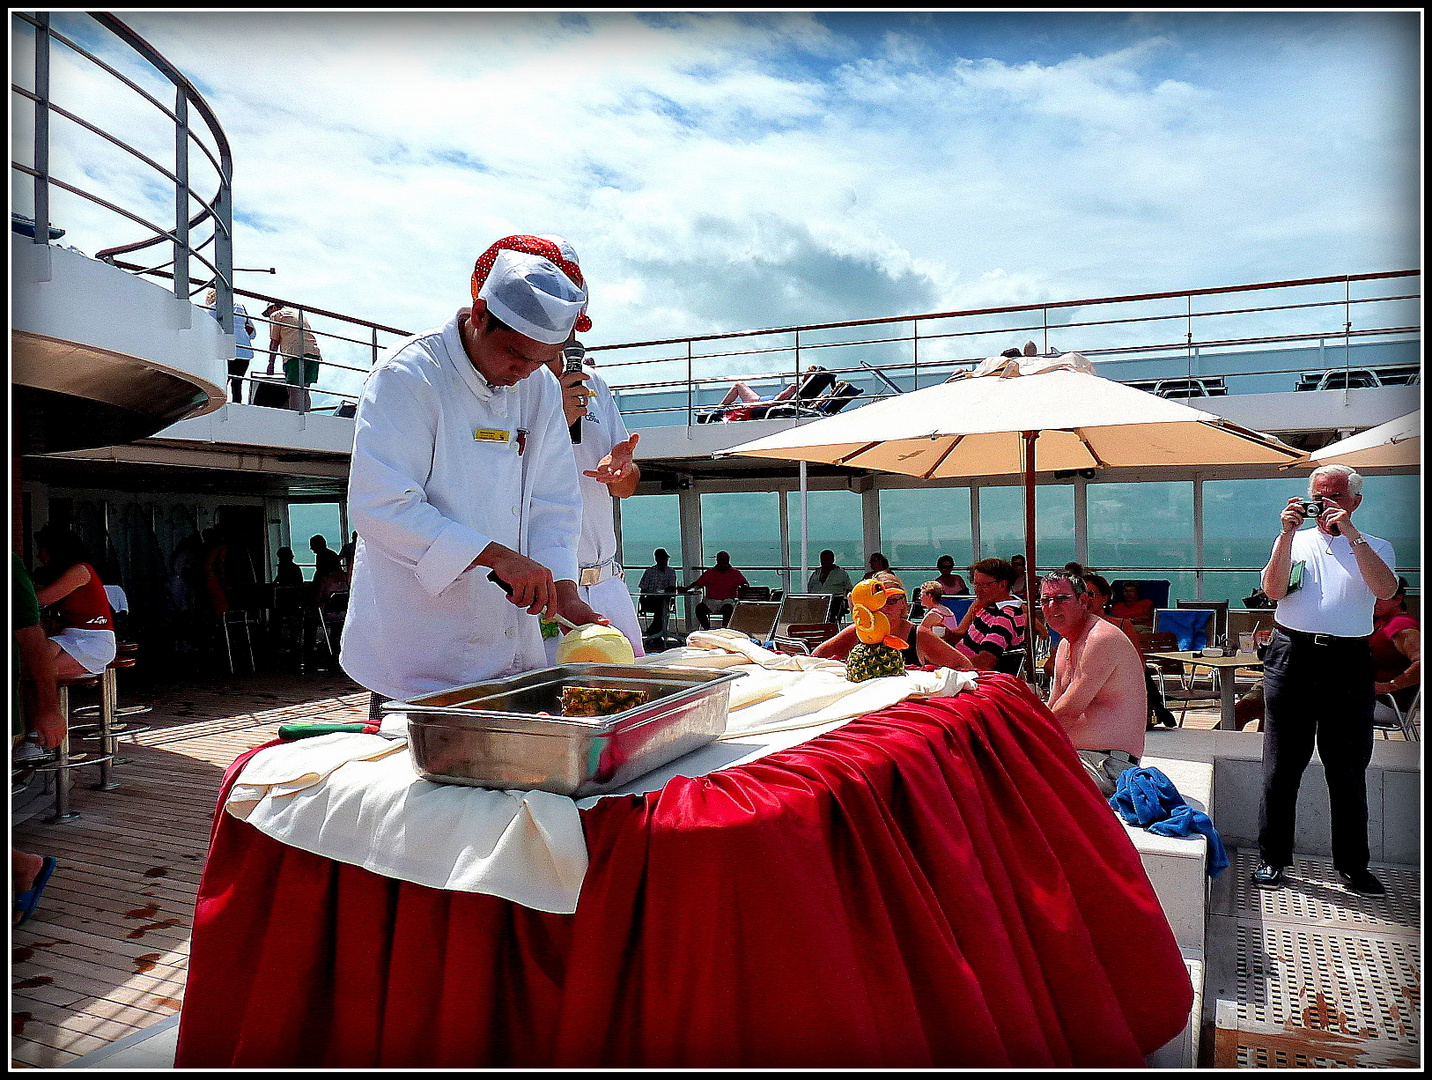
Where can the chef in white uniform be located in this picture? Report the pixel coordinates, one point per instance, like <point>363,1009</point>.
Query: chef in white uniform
<point>604,460</point>
<point>462,465</point>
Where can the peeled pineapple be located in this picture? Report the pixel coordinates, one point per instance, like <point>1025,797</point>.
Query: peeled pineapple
<point>600,701</point>
<point>593,644</point>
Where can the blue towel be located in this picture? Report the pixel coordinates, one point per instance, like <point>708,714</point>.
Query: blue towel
<point>1147,798</point>
<point>1189,625</point>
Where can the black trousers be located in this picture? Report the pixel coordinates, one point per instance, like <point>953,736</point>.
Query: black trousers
<point>238,368</point>
<point>1316,694</point>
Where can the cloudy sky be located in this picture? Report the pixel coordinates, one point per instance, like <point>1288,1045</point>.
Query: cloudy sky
<point>727,171</point>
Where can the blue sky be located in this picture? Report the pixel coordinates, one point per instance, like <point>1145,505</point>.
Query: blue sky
<point>730,171</point>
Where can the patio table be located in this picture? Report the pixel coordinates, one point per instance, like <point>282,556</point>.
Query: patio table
<point>937,884</point>
<point>1226,667</point>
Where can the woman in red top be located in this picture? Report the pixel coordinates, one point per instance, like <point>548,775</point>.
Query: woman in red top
<point>1396,644</point>
<point>75,604</point>
<point>1133,606</point>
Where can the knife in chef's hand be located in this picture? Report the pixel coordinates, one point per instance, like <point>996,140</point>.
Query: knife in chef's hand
<point>492,577</point>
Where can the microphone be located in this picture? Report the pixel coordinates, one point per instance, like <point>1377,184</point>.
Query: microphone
<point>572,355</point>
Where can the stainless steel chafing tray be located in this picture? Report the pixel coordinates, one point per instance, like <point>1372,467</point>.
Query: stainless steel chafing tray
<point>491,734</point>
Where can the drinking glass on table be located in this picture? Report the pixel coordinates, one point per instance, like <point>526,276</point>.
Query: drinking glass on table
<point>1261,638</point>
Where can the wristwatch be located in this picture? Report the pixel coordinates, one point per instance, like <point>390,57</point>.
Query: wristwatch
<point>1359,540</point>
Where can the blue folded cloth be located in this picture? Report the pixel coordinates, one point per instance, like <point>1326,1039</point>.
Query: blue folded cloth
<point>1144,796</point>
<point>1189,625</point>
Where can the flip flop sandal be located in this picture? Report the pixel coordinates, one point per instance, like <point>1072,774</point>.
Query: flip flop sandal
<point>27,901</point>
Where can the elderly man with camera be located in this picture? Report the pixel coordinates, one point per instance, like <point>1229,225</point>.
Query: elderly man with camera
<point>1318,674</point>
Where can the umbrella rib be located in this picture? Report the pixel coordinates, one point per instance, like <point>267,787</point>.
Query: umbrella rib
<point>1262,440</point>
<point>948,451</point>
<point>846,459</point>
<point>1098,461</point>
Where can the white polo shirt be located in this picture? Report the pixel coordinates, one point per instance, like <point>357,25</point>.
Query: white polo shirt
<point>1334,598</point>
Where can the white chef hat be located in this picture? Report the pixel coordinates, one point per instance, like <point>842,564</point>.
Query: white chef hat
<point>534,285</point>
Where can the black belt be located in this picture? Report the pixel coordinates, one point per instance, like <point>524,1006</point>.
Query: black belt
<point>1319,639</point>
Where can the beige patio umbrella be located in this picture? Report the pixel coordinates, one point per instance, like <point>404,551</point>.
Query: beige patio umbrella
<point>1397,442</point>
<point>1022,415</point>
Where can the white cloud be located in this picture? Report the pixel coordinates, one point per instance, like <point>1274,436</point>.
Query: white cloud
<point>722,172</point>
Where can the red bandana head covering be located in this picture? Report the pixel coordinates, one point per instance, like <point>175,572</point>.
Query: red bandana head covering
<point>563,257</point>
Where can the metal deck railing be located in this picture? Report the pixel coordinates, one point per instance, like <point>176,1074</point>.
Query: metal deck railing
<point>189,228</point>
<point>1359,324</point>
<point>189,233</point>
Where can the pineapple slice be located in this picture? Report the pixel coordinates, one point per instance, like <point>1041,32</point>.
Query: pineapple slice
<point>599,701</point>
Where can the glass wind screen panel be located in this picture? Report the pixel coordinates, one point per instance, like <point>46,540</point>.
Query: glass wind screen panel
<point>649,522</point>
<point>306,520</point>
<point>1240,518</point>
<point>1391,508</point>
<point>1240,521</point>
<point>1141,525</point>
<point>770,579</point>
<point>1002,523</point>
<point>745,524</point>
<point>918,525</point>
<point>833,521</point>
<point>1235,586</point>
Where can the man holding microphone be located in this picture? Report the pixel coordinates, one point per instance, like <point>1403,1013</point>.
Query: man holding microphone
<point>1318,674</point>
<point>603,450</point>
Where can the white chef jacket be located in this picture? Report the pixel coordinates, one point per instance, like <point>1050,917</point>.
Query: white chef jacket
<point>443,464</point>
<point>602,428</point>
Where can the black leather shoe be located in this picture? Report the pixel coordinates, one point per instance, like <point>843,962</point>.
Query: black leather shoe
<point>1362,881</point>
<point>1269,877</point>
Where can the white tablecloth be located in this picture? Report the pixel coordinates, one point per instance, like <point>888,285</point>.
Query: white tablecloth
<point>357,798</point>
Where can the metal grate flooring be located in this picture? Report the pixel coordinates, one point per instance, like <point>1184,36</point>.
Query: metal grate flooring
<point>1313,975</point>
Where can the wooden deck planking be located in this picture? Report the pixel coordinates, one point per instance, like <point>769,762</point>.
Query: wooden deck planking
<point>107,952</point>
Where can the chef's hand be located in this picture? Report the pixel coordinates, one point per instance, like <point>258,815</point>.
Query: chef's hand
<point>617,470</point>
<point>531,582</point>
<point>570,606</point>
<point>575,393</point>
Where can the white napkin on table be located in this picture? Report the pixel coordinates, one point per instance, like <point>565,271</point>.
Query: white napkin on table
<point>781,692</point>
<point>358,799</point>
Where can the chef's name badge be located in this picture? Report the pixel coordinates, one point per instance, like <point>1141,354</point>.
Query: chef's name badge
<point>490,435</point>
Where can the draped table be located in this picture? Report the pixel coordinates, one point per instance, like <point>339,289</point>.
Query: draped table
<point>937,884</point>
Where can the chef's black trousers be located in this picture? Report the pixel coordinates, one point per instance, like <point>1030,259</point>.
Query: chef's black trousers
<point>1317,689</point>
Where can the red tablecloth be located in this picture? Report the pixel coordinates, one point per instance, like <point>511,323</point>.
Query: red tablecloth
<point>935,885</point>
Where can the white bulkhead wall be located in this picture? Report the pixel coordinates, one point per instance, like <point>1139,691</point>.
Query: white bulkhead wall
<point>66,295</point>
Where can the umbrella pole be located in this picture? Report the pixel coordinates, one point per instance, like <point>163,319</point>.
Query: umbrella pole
<point>805,554</point>
<point>1029,439</point>
<point>1031,593</point>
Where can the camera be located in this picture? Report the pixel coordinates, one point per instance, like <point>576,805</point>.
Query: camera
<point>1312,508</point>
